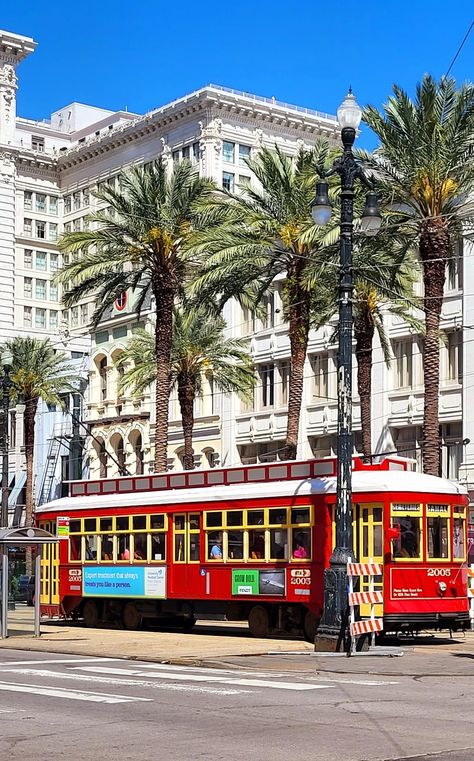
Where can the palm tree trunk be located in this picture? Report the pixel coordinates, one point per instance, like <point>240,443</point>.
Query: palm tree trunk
<point>186,396</point>
<point>364,336</point>
<point>434,248</point>
<point>299,301</point>
<point>29,427</point>
<point>164,298</point>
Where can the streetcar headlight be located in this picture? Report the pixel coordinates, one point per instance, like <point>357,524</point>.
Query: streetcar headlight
<point>442,586</point>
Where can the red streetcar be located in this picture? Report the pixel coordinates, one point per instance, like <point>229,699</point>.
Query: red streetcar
<point>251,543</point>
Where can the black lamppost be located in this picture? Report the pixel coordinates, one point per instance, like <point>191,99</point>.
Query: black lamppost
<point>349,115</point>
<point>6,361</point>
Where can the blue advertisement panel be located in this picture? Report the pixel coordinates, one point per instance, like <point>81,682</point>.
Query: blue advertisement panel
<point>120,581</point>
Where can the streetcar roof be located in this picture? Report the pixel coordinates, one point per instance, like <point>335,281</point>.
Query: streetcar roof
<point>362,482</point>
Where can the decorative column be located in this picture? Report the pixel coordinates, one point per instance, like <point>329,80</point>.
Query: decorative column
<point>210,145</point>
<point>13,49</point>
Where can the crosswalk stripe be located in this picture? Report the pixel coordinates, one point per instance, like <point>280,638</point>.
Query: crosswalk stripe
<point>243,682</point>
<point>69,694</point>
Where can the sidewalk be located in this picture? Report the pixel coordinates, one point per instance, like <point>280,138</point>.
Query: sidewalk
<point>218,643</point>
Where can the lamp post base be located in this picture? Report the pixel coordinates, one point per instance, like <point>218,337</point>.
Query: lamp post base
<point>331,634</point>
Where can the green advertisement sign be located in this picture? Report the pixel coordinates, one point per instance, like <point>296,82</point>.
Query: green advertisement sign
<point>249,581</point>
<point>245,582</point>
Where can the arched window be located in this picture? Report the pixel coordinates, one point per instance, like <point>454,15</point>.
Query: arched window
<point>103,378</point>
<point>103,460</point>
<point>138,450</point>
<point>121,456</point>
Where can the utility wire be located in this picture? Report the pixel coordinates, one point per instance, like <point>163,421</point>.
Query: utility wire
<point>460,48</point>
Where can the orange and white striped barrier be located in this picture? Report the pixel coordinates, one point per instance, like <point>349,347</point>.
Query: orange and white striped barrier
<point>372,598</point>
<point>368,626</point>
<point>364,569</point>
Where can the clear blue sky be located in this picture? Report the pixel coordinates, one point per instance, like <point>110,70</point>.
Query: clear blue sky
<point>142,54</point>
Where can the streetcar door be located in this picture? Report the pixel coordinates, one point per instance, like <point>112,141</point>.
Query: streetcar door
<point>49,568</point>
<point>186,552</point>
<point>368,546</point>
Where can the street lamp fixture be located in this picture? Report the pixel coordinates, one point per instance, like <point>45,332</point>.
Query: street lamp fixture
<point>349,115</point>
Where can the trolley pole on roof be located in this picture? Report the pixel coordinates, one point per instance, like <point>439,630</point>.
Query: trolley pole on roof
<point>349,115</point>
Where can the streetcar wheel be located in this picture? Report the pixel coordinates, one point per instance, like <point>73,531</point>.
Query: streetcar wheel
<point>90,613</point>
<point>132,618</point>
<point>259,622</point>
<point>188,624</point>
<point>310,625</point>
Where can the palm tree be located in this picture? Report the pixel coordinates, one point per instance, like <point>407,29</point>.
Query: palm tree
<point>252,237</point>
<point>425,166</point>
<point>200,350</point>
<point>138,245</point>
<point>38,372</point>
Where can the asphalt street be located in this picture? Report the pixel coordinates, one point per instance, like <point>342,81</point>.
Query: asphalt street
<point>65,707</point>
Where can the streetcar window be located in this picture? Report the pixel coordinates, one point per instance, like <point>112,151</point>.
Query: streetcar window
<point>277,516</point>
<point>255,517</point>
<point>107,548</point>
<point>179,548</point>
<point>215,549</point>
<point>90,546</point>
<point>459,542</point>
<point>301,543</point>
<point>214,518</point>
<point>140,546</point>
<point>278,543</point>
<point>90,525</point>
<point>74,527</point>
<point>74,548</point>
<point>300,515</point>
<point>256,544</point>
<point>438,544</point>
<point>139,522</point>
<point>105,524</point>
<point>235,518</point>
<point>157,521</point>
<point>235,545</point>
<point>408,546</point>
<point>158,546</point>
<point>122,523</point>
<point>378,539</point>
<point>194,524</point>
<point>124,547</point>
<point>179,522</point>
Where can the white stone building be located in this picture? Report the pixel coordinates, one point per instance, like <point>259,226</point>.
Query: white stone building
<point>48,172</point>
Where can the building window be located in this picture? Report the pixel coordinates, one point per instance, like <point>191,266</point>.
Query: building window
<point>28,200</point>
<point>268,308</point>
<point>244,154</point>
<point>175,156</point>
<point>40,202</point>
<point>196,153</point>
<point>228,180</point>
<point>53,231</point>
<point>284,383</point>
<point>403,353</point>
<point>103,378</point>
<point>408,442</point>
<point>267,381</point>
<point>40,318</point>
<point>27,319</point>
<point>244,180</point>
<point>41,261</point>
<point>76,224</point>
<point>28,288</point>
<point>67,227</point>
<point>454,271</point>
<point>228,152</point>
<point>40,290</point>
<point>320,364</point>
<point>40,229</point>
<point>67,204</point>
<point>53,205</point>
<point>53,319</point>
<point>85,197</point>
<point>76,201</point>
<point>452,364</point>
<point>53,262</point>
<point>103,464</point>
<point>27,227</point>
<point>451,450</point>
<point>84,314</point>
<point>28,258</point>
<point>37,143</point>
<point>53,292</point>
<point>186,152</point>
<point>75,317</point>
